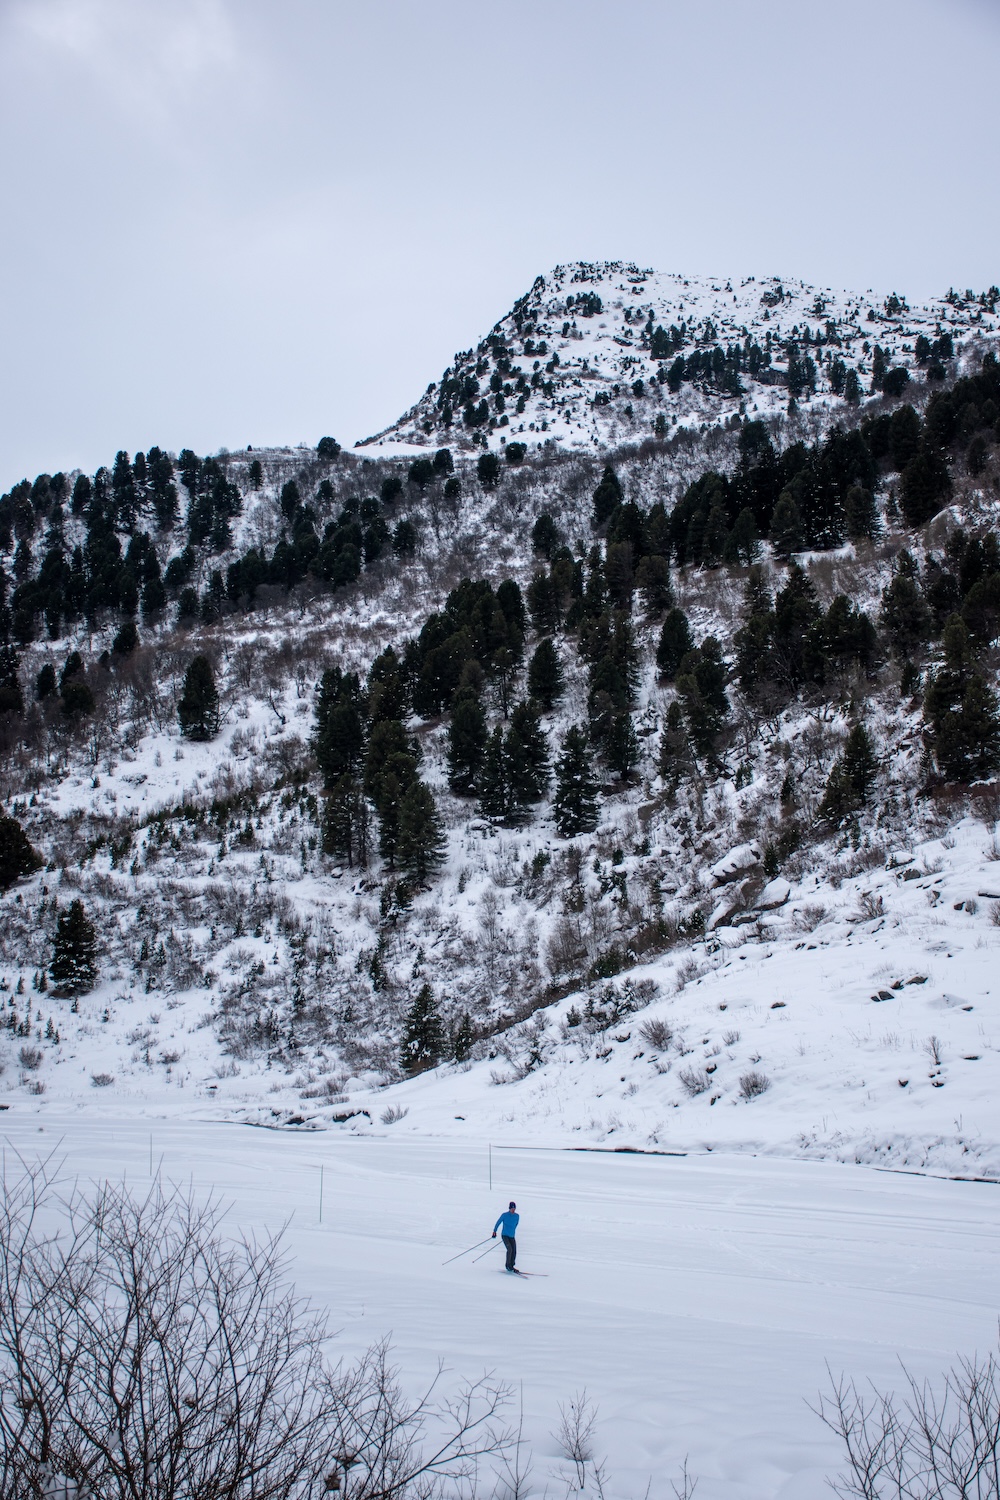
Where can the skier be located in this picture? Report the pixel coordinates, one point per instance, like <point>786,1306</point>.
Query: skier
<point>509,1221</point>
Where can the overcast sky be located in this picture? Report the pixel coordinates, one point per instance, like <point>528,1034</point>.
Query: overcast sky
<point>259,221</point>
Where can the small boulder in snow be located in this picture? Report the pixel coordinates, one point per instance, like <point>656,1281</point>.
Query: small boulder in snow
<point>737,862</point>
<point>774,894</point>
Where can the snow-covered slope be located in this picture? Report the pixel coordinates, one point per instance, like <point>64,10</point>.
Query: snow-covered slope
<point>585,358</point>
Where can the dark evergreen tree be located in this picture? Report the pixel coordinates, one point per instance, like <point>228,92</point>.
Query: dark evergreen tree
<point>545,536</point>
<point>860,514</point>
<point>904,437</point>
<point>328,449</point>
<point>961,711</point>
<point>340,725</point>
<point>905,615</point>
<point>488,470</point>
<point>675,756</point>
<point>607,496</point>
<point>621,746</point>
<point>45,682</point>
<point>787,533</point>
<point>11,697</point>
<point>423,1035</point>
<point>652,578</point>
<point>462,1037</point>
<point>701,685</point>
<point>73,969</point>
<point>467,735</point>
<point>526,749</point>
<point>544,603</point>
<point>545,674</point>
<point>398,774</point>
<point>198,708</point>
<point>17,857</point>
<point>674,644</point>
<point>742,545</point>
<point>926,486</point>
<point>574,804</point>
<point>496,800</point>
<point>852,778</point>
<point>346,821</point>
<point>422,843</point>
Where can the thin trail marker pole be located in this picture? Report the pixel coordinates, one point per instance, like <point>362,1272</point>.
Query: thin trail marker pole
<point>491,1166</point>
<point>321,1192</point>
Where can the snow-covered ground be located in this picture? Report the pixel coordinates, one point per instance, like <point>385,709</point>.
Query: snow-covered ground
<point>698,1299</point>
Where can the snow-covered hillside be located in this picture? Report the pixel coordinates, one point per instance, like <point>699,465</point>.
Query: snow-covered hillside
<point>601,355</point>
<point>692,964</point>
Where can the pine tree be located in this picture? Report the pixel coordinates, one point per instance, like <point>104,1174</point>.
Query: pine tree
<point>743,542</point>
<point>926,485</point>
<point>701,684</point>
<point>421,843</point>
<point>340,727</point>
<point>574,805</point>
<point>545,536</point>
<point>11,698</point>
<point>652,578</point>
<point>675,643</point>
<point>345,822</point>
<point>526,749</point>
<point>860,513</point>
<point>198,709</point>
<point>961,710</point>
<point>852,778</point>
<point>17,857</point>
<point>607,496</point>
<point>786,533</point>
<point>423,1038</point>
<point>545,675</point>
<point>496,800</point>
<point>462,1038</point>
<point>467,735</point>
<point>73,969</point>
<point>621,747</point>
<point>675,756</point>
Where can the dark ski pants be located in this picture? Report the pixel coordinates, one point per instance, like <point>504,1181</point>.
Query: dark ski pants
<point>511,1244</point>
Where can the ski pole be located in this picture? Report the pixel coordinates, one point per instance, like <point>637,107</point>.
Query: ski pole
<point>463,1252</point>
<point>485,1252</point>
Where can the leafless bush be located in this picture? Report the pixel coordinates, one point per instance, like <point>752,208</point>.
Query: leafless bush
<point>101,1080</point>
<point>394,1113</point>
<point>142,1356</point>
<point>995,913</point>
<point>730,1038</point>
<point>924,1445</point>
<point>575,1433</point>
<point>992,849</point>
<point>870,906</point>
<point>753,1084</point>
<point>30,1058</point>
<point>932,1047</point>
<point>657,1033</point>
<point>694,1081</point>
<point>808,917</point>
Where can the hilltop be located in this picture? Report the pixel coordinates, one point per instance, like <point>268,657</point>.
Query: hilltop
<point>595,356</point>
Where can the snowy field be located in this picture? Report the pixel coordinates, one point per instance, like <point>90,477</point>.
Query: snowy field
<point>698,1299</point>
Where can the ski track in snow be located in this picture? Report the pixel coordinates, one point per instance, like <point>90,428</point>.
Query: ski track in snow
<point>697,1299</point>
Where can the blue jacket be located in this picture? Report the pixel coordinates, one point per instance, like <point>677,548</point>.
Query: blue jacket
<point>509,1222</point>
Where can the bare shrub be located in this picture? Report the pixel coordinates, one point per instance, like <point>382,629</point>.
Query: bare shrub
<point>657,1033</point>
<point>926,1444</point>
<point>753,1084</point>
<point>575,1433</point>
<point>870,906</point>
<point>995,913</point>
<point>142,1355</point>
<point>30,1058</point>
<point>101,1080</point>
<point>730,1038</point>
<point>932,1047</point>
<point>808,917</point>
<point>394,1113</point>
<point>694,1081</point>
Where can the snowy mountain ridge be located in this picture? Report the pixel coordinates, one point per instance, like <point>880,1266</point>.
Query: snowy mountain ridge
<point>595,356</point>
